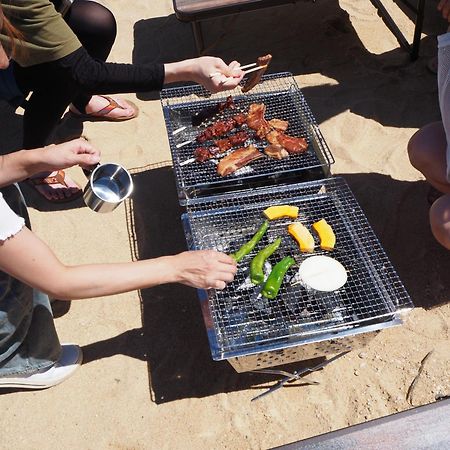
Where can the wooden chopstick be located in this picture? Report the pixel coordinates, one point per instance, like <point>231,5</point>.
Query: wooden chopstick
<point>254,69</point>
<point>215,74</point>
<point>247,66</point>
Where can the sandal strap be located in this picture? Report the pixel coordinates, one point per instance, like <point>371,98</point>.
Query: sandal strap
<point>112,104</point>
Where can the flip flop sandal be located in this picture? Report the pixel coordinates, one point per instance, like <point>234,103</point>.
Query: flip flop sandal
<point>58,178</point>
<point>102,114</point>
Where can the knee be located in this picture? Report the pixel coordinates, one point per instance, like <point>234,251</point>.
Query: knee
<point>417,150</point>
<point>105,22</point>
<point>92,19</point>
<point>440,220</point>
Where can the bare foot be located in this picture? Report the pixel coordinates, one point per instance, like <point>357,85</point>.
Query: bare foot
<point>108,108</point>
<point>55,186</point>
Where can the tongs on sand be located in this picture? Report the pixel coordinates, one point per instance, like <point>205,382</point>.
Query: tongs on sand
<point>294,376</point>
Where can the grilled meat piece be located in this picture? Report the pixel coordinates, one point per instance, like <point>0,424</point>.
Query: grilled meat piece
<point>256,120</point>
<point>239,138</point>
<point>256,76</point>
<point>224,145</point>
<point>294,145</point>
<point>276,151</point>
<point>237,159</point>
<point>220,146</point>
<point>240,119</point>
<point>217,129</point>
<point>231,141</point>
<point>202,154</point>
<point>278,124</point>
<point>211,111</point>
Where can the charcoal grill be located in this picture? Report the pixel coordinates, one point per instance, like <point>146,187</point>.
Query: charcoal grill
<point>299,324</point>
<point>222,213</point>
<point>283,99</point>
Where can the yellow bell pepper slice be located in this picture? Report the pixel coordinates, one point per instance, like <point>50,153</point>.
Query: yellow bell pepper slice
<point>325,233</point>
<point>278,211</point>
<point>302,235</point>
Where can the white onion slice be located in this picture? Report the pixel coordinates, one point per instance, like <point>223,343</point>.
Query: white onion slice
<point>322,273</point>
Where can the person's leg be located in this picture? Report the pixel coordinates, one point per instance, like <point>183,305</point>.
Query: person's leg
<point>52,91</point>
<point>94,25</point>
<point>440,220</point>
<point>427,153</point>
<point>96,28</point>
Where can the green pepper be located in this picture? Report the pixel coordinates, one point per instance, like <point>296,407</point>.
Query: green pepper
<point>256,266</point>
<point>273,283</point>
<point>250,245</point>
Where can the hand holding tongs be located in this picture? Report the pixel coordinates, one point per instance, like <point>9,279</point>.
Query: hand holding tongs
<point>294,376</point>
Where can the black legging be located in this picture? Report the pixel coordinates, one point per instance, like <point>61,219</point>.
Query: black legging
<point>96,29</point>
<point>76,77</point>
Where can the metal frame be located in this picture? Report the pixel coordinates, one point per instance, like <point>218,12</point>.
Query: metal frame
<point>419,11</point>
<point>413,48</point>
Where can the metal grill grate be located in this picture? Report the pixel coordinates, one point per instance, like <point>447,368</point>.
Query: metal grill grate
<point>241,320</point>
<point>283,99</point>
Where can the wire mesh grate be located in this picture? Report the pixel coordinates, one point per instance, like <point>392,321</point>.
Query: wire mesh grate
<point>241,318</point>
<point>283,99</point>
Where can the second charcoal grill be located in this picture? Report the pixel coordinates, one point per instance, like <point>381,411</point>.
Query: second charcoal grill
<point>241,323</point>
<point>223,213</point>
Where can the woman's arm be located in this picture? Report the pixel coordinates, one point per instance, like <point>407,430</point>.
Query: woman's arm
<point>22,164</point>
<point>27,258</point>
<point>212,73</point>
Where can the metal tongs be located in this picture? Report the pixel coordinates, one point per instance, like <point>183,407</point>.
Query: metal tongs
<point>293,376</point>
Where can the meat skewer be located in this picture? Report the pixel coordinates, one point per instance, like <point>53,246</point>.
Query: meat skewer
<point>217,129</point>
<point>220,146</point>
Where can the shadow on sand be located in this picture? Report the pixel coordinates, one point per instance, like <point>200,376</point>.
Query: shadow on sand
<point>312,37</point>
<point>173,338</point>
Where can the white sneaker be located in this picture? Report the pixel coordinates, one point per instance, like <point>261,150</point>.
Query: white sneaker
<point>68,362</point>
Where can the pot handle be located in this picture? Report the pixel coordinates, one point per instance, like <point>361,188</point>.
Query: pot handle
<point>88,170</point>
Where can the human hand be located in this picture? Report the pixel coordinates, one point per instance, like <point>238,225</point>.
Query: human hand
<point>444,7</point>
<point>214,75</point>
<point>204,269</point>
<point>68,154</point>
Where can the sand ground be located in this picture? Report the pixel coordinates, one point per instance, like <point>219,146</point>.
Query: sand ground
<point>148,381</point>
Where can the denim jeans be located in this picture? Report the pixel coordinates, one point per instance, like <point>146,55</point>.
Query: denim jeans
<point>28,339</point>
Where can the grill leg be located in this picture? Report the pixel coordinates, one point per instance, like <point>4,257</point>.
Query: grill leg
<point>418,11</point>
<point>418,29</point>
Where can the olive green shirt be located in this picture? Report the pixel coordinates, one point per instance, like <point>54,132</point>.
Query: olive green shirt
<point>46,36</point>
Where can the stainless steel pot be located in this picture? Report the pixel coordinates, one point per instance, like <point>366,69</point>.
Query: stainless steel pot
<point>109,185</point>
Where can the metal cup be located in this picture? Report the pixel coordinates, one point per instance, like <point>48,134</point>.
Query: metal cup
<point>109,185</point>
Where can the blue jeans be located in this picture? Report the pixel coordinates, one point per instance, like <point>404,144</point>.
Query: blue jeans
<point>28,339</point>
